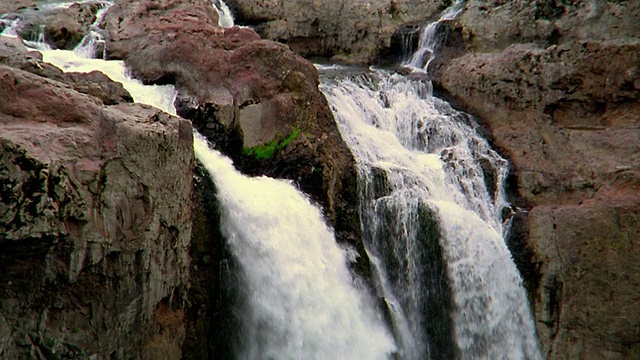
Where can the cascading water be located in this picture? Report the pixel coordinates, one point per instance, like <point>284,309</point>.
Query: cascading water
<point>93,44</point>
<point>303,302</point>
<point>421,59</point>
<point>422,173</point>
<point>431,201</point>
<point>225,18</point>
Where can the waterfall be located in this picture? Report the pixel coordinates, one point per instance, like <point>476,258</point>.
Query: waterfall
<point>93,43</point>
<point>431,192</point>
<point>303,301</point>
<point>225,18</point>
<point>426,187</point>
<point>428,40</point>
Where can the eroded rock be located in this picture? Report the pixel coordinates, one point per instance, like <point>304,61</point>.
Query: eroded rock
<point>258,101</point>
<point>556,85</point>
<point>95,225</point>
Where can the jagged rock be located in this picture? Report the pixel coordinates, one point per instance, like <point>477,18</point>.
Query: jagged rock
<point>490,25</point>
<point>95,223</point>
<point>583,107</point>
<point>557,85</point>
<point>348,31</point>
<point>14,54</point>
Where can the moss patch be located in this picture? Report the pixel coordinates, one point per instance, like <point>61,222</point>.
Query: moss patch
<point>266,151</point>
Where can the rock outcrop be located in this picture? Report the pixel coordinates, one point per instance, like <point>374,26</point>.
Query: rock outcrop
<point>95,217</point>
<point>255,99</point>
<point>356,32</point>
<point>557,85</point>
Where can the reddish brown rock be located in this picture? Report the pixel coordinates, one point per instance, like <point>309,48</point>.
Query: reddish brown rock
<point>95,222</point>
<point>244,93</point>
<point>63,28</point>
<point>259,103</point>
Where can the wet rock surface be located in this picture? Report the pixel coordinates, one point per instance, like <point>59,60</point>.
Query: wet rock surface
<point>255,99</point>
<point>62,27</point>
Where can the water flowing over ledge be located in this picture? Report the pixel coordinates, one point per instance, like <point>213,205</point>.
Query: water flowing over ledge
<point>430,183</point>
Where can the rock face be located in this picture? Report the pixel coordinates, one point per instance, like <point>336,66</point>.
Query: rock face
<point>95,217</point>
<point>345,30</point>
<point>557,85</point>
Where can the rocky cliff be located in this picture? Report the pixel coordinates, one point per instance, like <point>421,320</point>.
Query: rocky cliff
<point>95,242</point>
<point>255,99</point>
<point>556,84</point>
<point>96,216</point>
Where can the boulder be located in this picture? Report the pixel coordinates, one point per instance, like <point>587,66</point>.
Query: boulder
<point>95,220</point>
<point>14,54</point>
<point>259,103</point>
<point>356,32</point>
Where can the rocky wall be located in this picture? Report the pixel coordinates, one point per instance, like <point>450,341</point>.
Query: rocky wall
<point>95,217</point>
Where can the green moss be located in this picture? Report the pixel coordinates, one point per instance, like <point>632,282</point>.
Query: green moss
<point>266,151</point>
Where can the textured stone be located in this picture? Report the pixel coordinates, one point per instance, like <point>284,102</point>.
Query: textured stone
<point>241,92</point>
<point>95,225</point>
<point>346,30</point>
<point>63,28</point>
<point>257,101</point>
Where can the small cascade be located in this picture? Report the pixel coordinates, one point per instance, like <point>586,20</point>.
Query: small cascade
<point>432,222</point>
<point>428,40</point>
<point>225,18</point>
<point>90,46</point>
<point>93,45</point>
<point>9,26</point>
<point>40,42</point>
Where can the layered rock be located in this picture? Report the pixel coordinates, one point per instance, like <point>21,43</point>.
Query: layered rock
<point>95,217</point>
<point>347,31</point>
<point>557,85</point>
